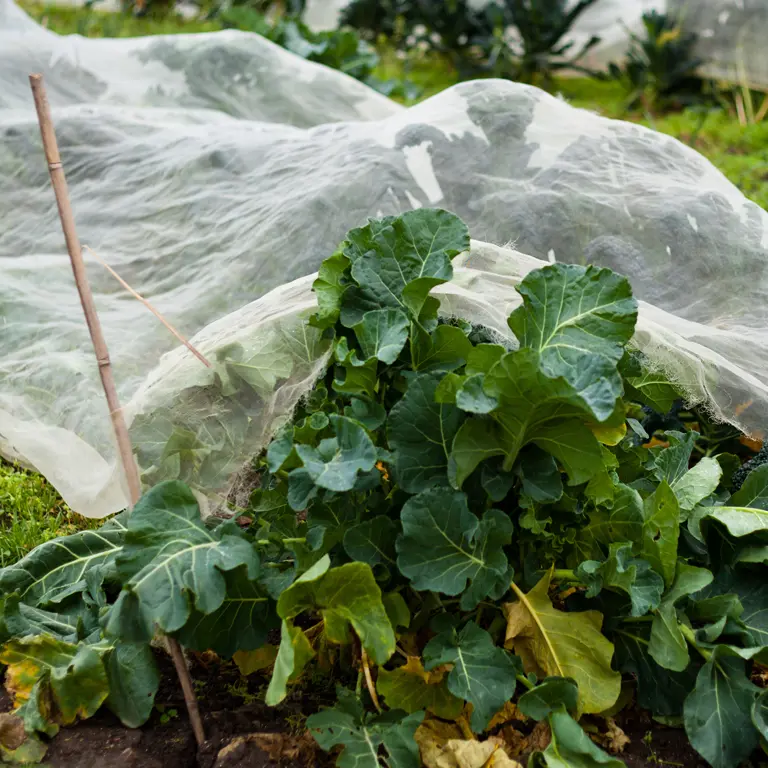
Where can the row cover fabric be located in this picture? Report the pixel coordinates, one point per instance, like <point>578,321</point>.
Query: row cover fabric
<point>732,33</point>
<point>214,172</point>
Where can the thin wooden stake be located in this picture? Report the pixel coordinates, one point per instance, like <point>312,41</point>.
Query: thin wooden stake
<point>59,183</point>
<point>136,295</point>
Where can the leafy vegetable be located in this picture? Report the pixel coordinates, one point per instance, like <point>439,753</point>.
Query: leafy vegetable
<point>458,526</point>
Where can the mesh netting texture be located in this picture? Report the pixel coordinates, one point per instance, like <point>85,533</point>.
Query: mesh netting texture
<point>215,172</point>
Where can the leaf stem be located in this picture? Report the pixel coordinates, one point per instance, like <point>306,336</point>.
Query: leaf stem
<point>369,679</point>
<point>564,574</point>
<point>691,638</point>
<point>295,540</point>
<point>526,682</point>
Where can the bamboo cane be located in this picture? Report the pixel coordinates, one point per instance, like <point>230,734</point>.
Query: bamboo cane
<point>59,183</point>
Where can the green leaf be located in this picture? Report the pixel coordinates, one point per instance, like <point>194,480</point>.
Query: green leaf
<point>171,564</point>
<point>362,736</point>
<point>697,483</point>
<point>77,621</point>
<point>382,334</point>
<point>578,319</point>
<point>329,288</point>
<point>336,462</point>
<point>294,654</point>
<point>541,477</point>
<point>445,349</point>
<point>718,712</point>
<point>280,448</point>
<point>483,674</point>
<point>359,377</point>
<point>372,541</point>
<point>240,623</point>
<point>754,492</point>
<point>260,366</point>
<point>133,680</point>
<point>661,530</point>
<point>368,412</point>
<point>57,569</point>
<point>571,747</point>
<point>620,570</point>
<point>471,396</point>
<point>667,645</point>
<point>475,441</point>
<point>397,261</point>
<point>554,643</point>
<point>652,389</point>
<point>739,521</point>
<point>760,714</point>
<point>347,595</point>
<point>496,482</point>
<point>397,610</point>
<point>444,545</point>
<point>671,463</point>
<point>751,593</point>
<point>546,411</point>
<point>622,522</point>
<point>411,688</point>
<point>548,696</point>
<point>483,357</point>
<point>420,432</point>
<point>56,683</point>
<point>659,690</point>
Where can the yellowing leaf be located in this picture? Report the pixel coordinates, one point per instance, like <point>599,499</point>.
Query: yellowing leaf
<point>441,747</point>
<point>249,662</point>
<point>610,432</point>
<point>411,688</point>
<point>555,643</point>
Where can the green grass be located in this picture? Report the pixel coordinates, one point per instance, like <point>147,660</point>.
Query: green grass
<point>31,512</point>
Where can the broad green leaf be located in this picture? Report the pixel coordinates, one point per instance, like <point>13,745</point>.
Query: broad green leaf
<point>347,595</point>
<point>329,288</point>
<point>372,541</point>
<point>445,349</point>
<point>754,492</point>
<point>396,261</point>
<point>368,412</point>
<point>622,522</point>
<point>420,432</point>
<point>397,610</point>
<point>671,463</point>
<point>549,695</point>
<point>240,623</point>
<point>54,683</point>
<point>336,461</point>
<point>260,365</point>
<point>362,736</point>
<point>661,530</point>
<point>620,570</point>
<point>659,690</point>
<point>478,439</point>
<point>652,389</point>
<point>171,564</point>
<point>444,545</point>
<point>760,714</point>
<point>739,521</point>
<point>496,482</point>
<point>571,747</point>
<point>483,674</point>
<point>578,319</point>
<point>541,478</point>
<point>718,712</point>
<point>697,483</point>
<point>57,569</point>
<point>472,398</point>
<point>483,357</point>
<point>76,621</point>
<point>546,411</point>
<point>411,688</point>
<point>558,644</point>
<point>382,334</point>
<point>668,647</point>
<point>359,376</point>
<point>133,680</point>
<point>294,654</point>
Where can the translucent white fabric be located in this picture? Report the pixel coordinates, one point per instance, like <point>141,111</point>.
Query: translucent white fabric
<point>211,169</point>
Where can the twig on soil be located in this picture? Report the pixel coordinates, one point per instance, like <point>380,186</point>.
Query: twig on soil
<point>59,183</point>
<point>136,295</point>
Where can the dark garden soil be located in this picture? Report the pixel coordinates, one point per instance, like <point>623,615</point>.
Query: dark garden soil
<point>243,732</point>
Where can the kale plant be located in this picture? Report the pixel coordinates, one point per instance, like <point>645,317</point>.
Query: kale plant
<point>660,68</point>
<point>457,524</point>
